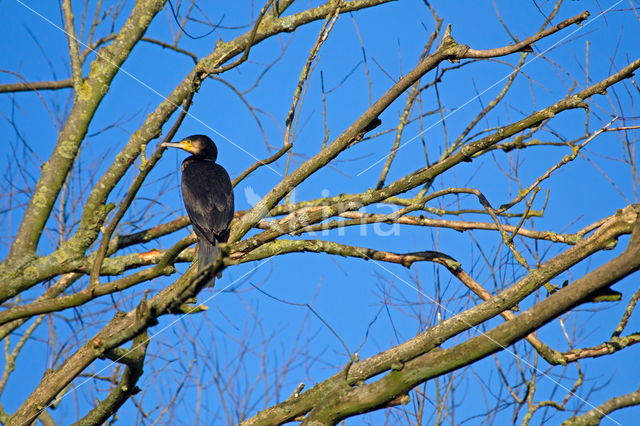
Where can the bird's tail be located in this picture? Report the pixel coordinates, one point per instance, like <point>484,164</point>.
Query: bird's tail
<point>207,254</point>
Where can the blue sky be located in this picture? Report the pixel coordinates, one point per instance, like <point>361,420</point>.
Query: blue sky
<point>347,293</point>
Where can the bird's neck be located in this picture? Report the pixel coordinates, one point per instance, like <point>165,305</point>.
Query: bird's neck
<point>193,158</point>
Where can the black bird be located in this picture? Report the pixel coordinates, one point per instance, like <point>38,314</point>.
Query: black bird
<point>208,196</point>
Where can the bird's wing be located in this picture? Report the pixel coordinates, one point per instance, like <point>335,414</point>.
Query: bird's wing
<point>208,197</point>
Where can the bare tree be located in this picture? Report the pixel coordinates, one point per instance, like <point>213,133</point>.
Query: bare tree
<point>94,267</point>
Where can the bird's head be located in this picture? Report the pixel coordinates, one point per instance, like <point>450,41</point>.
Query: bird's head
<point>198,145</point>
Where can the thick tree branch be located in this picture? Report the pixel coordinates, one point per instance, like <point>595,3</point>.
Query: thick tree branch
<point>36,86</point>
<point>621,223</point>
<point>524,45</point>
<point>594,416</point>
<point>134,360</point>
<point>319,246</point>
<point>56,169</point>
<point>96,207</point>
<point>49,303</point>
<point>122,328</point>
<point>123,206</point>
<point>366,397</point>
<point>413,180</point>
<point>93,216</point>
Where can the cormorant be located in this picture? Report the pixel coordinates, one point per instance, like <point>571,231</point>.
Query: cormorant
<point>208,196</point>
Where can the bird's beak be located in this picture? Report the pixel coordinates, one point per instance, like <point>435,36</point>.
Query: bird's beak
<point>185,145</point>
